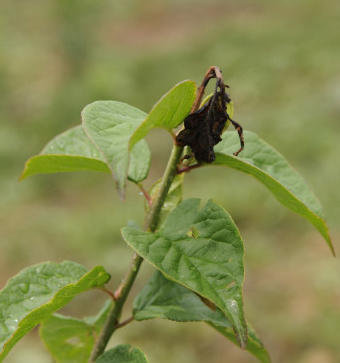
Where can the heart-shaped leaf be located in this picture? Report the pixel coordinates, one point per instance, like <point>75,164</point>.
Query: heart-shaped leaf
<point>268,166</point>
<point>169,111</point>
<point>38,291</point>
<point>202,250</point>
<point>165,299</point>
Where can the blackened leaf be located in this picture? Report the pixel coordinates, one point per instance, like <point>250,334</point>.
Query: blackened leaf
<point>204,127</point>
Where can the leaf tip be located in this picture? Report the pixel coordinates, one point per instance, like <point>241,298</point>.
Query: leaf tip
<point>120,188</point>
<point>25,173</point>
<point>329,241</point>
<point>332,248</point>
<point>22,176</point>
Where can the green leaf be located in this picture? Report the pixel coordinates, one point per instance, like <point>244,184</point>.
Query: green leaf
<point>36,292</point>
<point>254,345</point>
<point>70,340</point>
<point>202,250</point>
<point>169,111</point>
<point>69,151</point>
<point>165,299</point>
<point>109,125</point>
<point>173,198</point>
<point>49,164</point>
<point>73,142</point>
<point>140,159</point>
<point>73,151</point>
<point>123,353</point>
<point>273,170</point>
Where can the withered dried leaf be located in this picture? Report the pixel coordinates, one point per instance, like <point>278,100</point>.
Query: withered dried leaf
<point>203,128</point>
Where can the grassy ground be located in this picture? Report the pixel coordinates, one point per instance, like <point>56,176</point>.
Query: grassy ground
<point>282,61</point>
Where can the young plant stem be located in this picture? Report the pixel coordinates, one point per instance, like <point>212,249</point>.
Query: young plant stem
<point>112,321</point>
<point>168,177</point>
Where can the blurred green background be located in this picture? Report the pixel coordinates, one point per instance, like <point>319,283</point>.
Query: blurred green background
<point>282,62</point>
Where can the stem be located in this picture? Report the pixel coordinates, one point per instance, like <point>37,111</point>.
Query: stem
<point>145,193</point>
<point>126,322</point>
<point>112,321</point>
<point>107,291</point>
<point>168,177</point>
<point>121,294</point>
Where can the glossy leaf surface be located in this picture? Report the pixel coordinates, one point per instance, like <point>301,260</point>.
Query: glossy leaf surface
<point>38,291</point>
